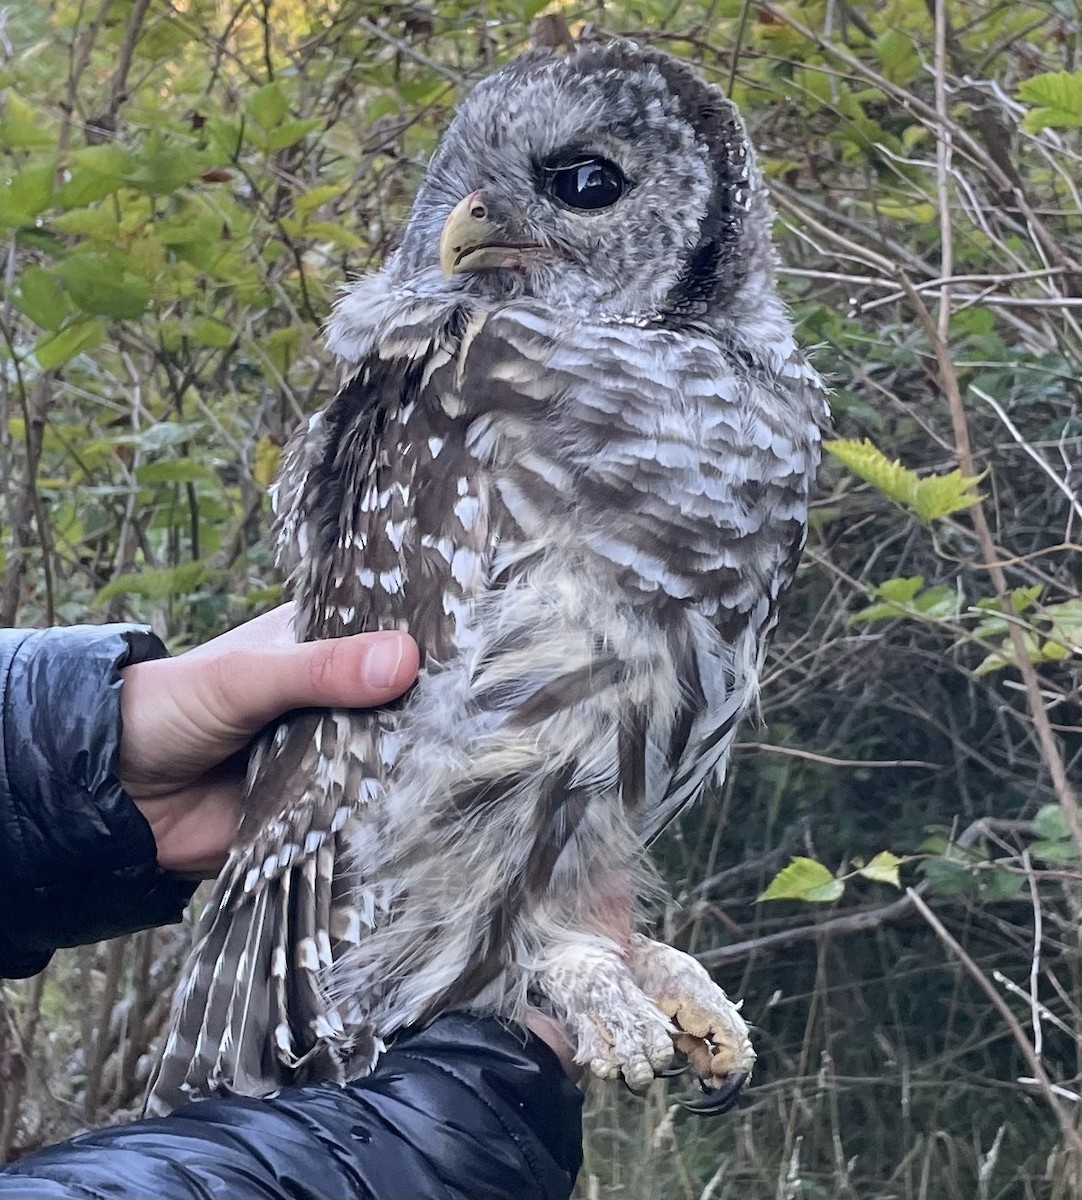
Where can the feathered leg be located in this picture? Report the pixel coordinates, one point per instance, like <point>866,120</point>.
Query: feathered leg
<point>709,1027</point>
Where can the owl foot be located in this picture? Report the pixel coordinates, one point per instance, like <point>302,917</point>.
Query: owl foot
<point>619,1032</point>
<point>710,1031</point>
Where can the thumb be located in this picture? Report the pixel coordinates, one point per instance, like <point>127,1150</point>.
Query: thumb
<point>245,690</point>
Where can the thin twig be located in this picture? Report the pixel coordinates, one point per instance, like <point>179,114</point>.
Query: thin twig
<point>1066,1123</point>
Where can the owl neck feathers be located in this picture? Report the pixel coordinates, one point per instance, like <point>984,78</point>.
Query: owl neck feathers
<point>372,310</point>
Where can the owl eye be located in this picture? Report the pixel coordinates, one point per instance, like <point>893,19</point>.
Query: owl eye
<point>586,183</point>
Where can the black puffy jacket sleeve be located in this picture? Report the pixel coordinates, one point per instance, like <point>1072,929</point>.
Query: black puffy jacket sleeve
<point>467,1109</point>
<point>77,859</point>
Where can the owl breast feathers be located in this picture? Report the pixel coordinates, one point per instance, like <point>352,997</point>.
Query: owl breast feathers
<point>572,458</point>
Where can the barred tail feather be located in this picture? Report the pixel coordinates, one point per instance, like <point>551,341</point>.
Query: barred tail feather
<point>252,1012</point>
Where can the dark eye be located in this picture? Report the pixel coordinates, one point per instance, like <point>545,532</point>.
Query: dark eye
<point>585,183</point>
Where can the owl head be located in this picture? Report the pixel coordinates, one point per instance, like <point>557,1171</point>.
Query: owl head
<point>611,181</point>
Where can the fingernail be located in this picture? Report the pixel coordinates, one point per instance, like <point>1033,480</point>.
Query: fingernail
<point>381,663</point>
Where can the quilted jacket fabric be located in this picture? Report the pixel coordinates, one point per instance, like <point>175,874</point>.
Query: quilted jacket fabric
<point>468,1108</point>
<point>77,859</point>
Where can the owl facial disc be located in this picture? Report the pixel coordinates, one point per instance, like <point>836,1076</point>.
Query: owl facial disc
<point>472,240</point>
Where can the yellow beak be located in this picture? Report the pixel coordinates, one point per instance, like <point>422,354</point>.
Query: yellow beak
<point>473,241</point>
<point>464,235</point>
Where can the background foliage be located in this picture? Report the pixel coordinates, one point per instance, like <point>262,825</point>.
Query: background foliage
<point>183,186</point>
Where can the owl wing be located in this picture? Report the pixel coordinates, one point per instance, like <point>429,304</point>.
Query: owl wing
<point>689,464</point>
<point>382,520</point>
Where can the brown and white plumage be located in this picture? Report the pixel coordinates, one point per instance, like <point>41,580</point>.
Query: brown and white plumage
<point>578,473</point>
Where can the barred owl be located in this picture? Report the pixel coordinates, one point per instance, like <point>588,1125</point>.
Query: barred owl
<point>572,457</point>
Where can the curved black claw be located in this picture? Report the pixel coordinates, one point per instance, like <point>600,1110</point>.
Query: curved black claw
<point>677,1069</point>
<point>716,1101</point>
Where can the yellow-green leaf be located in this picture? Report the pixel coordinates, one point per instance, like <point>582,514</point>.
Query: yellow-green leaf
<point>265,460</point>
<point>929,499</point>
<point>305,204</point>
<point>883,869</point>
<point>1057,97</point>
<point>804,879</point>
<point>23,124</point>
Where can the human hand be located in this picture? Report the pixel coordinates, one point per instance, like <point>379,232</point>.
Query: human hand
<point>187,721</point>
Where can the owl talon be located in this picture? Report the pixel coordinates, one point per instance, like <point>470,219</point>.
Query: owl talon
<point>678,1069</point>
<point>620,1033</point>
<point>716,1101</point>
<point>709,1030</point>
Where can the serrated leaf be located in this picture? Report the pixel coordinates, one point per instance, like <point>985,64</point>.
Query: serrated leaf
<point>281,347</point>
<point>939,602</point>
<point>22,124</point>
<point>804,879</point>
<point>40,296</point>
<point>929,498</point>
<point>57,348</point>
<point>1001,885</point>
<point>883,869</point>
<point>1057,97</point>
<point>877,612</point>
<point>1066,621</point>
<point>949,878</point>
<point>267,105</point>
<point>327,231</point>
<point>163,168</point>
<point>100,284</point>
<point>160,435</point>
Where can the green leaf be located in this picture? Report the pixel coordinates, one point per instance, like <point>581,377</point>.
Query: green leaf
<point>177,470</point>
<point>94,172</point>
<point>928,499</point>
<point>1057,97</point>
<point>291,132</point>
<point>939,602</point>
<point>1051,823</point>
<point>1066,624</point>
<point>97,223</point>
<point>949,878</point>
<point>157,583</point>
<point>306,203</point>
<point>883,869</point>
<point>42,298</point>
<point>266,460</point>
<point>57,348</point>
<point>281,347</point>
<point>160,436</point>
<point>327,231</point>
<point>99,283</point>
<point>1054,851</point>
<point>23,124</point>
<point>900,590</point>
<point>26,194</point>
<point>267,105</point>
<point>208,332</point>
<point>804,879</point>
